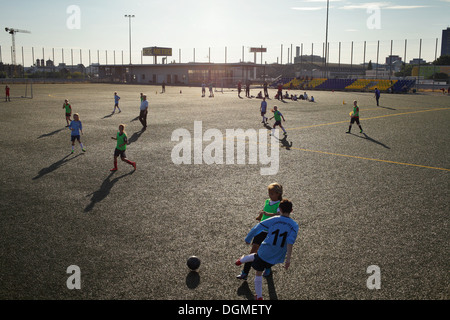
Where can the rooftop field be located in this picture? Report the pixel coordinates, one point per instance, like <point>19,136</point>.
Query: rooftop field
<point>374,198</point>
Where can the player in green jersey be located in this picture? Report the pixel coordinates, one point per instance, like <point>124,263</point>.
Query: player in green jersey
<point>270,209</point>
<point>354,117</point>
<point>122,142</point>
<point>278,116</point>
<point>68,108</point>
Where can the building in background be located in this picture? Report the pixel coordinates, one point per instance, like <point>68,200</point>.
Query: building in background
<point>445,47</point>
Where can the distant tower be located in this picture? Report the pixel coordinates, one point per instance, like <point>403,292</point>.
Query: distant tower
<point>38,63</point>
<point>445,48</point>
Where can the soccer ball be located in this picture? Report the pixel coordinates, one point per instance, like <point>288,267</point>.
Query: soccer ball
<point>193,263</point>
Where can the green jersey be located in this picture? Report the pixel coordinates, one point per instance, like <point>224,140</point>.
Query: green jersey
<point>270,208</point>
<point>68,108</point>
<point>355,111</point>
<point>121,139</point>
<point>277,115</point>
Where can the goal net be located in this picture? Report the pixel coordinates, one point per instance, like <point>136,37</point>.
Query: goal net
<point>18,88</point>
<point>229,84</point>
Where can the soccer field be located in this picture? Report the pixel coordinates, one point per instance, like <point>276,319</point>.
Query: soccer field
<point>377,198</point>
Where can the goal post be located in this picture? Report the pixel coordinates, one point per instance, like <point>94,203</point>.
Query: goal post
<point>18,88</point>
<point>229,84</point>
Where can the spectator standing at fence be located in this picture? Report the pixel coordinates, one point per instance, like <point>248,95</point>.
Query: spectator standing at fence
<point>7,97</point>
<point>377,96</point>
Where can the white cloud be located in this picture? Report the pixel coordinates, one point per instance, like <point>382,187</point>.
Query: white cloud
<point>382,5</point>
<point>325,0</point>
<point>404,7</point>
<point>308,8</point>
<point>365,5</point>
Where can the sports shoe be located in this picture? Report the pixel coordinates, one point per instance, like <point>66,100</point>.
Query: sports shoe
<point>361,131</point>
<point>242,276</point>
<point>134,165</point>
<point>256,298</point>
<point>238,262</point>
<point>347,132</point>
<point>113,169</point>
<point>72,151</point>
<point>267,272</point>
<point>84,149</point>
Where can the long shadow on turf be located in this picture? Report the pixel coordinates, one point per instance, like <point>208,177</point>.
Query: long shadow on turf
<point>51,133</point>
<point>135,136</point>
<point>104,190</point>
<point>55,166</point>
<point>366,137</point>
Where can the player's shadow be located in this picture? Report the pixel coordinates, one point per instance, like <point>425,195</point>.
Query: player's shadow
<point>135,119</point>
<point>271,288</point>
<point>55,166</point>
<point>366,137</point>
<point>267,126</point>
<point>192,280</point>
<point>104,190</point>
<point>285,143</point>
<point>135,136</point>
<point>51,133</point>
<point>387,108</point>
<point>244,289</point>
<point>108,115</point>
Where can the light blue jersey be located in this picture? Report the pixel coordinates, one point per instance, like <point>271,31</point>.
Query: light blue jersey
<point>76,126</point>
<point>281,232</point>
<point>116,98</point>
<point>263,106</point>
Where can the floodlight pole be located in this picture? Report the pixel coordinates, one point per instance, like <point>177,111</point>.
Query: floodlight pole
<point>326,40</point>
<point>129,16</point>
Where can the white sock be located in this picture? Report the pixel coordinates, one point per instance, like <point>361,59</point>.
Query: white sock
<point>283,129</point>
<point>248,258</point>
<point>258,286</point>
<point>73,147</point>
<point>81,145</point>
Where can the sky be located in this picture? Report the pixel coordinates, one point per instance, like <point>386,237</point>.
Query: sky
<point>218,29</point>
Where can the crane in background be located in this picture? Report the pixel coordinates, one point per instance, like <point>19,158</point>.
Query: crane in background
<point>12,32</point>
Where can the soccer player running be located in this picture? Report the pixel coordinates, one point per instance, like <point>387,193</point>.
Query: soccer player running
<point>278,116</point>
<point>355,117</point>
<point>68,108</point>
<point>122,142</point>
<point>77,128</point>
<point>276,248</point>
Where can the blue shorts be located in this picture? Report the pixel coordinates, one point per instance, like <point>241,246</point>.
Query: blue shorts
<point>259,264</point>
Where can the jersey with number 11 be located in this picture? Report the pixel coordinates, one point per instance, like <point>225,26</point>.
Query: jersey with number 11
<point>281,232</point>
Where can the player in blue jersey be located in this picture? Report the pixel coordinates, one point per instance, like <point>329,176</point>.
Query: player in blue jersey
<point>76,129</point>
<point>276,248</point>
